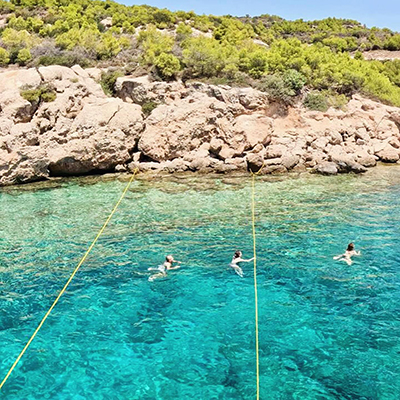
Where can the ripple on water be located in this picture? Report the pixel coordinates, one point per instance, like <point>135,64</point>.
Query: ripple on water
<point>327,330</point>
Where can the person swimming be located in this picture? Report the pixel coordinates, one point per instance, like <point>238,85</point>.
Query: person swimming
<point>346,256</point>
<point>163,268</point>
<point>237,258</point>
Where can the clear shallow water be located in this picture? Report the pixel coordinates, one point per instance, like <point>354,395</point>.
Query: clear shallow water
<point>327,330</point>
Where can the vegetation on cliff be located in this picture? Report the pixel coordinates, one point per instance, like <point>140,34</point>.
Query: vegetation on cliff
<point>283,58</point>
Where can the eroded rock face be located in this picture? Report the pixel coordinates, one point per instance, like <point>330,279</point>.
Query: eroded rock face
<point>80,131</point>
<point>198,119</point>
<point>193,127</point>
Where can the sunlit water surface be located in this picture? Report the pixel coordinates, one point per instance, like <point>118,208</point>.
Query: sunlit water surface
<point>327,330</point>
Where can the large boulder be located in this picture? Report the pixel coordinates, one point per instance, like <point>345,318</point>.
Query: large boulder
<point>249,98</point>
<point>346,163</point>
<point>22,166</point>
<point>102,151</point>
<point>172,130</point>
<point>254,162</point>
<point>389,154</point>
<point>142,90</point>
<point>326,168</point>
<point>290,161</point>
<point>111,113</point>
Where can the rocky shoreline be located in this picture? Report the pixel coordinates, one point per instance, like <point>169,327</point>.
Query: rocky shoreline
<point>177,127</point>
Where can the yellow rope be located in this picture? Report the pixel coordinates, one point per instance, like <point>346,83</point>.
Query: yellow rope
<point>253,214</point>
<point>69,280</point>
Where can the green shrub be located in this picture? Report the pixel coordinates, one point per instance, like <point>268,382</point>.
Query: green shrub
<point>18,24</point>
<point>338,101</point>
<point>167,65</point>
<point>393,43</point>
<point>48,96</point>
<point>67,59</point>
<point>24,55</point>
<point>154,43</point>
<point>358,55</point>
<point>108,80</point>
<point>233,31</point>
<point>253,60</point>
<point>392,71</point>
<point>183,31</point>
<point>148,107</point>
<point>277,89</point>
<point>32,95</point>
<point>204,57</point>
<point>298,53</point>
<point>17,39</point>
<point>4,56</point>
<point>42,93</point>
<point>316,101</point>
<point>110,46</point>
<point>163,18</point>
<point>294,80</point>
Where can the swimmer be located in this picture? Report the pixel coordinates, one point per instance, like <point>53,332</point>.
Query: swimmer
<point>237,258</point>
<point>163,268</point>
<point>346,256</point>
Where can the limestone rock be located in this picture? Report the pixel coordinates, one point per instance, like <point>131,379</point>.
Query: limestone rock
<point>176,165</point>
<point>111,113</point>
<point>395,142</point>
<point>273,169</point>
<point>276,151</point>
<point>367,160</point>
<point>327,168</point>
<point>363,135</point>
<point>389,154</point>
<point>195,126</point>
<point>141,90</point>
<point>335,137</point>
<point>238,162</point>
<point>200,163</point>
<point>355,167</point>
<point>25,165</point>
<point>254,162</point>
<point>216,145</point>
<point>223,168</point>
<point>195,120</point>
<point>254,129</point>
<point>146,166</point>
<point>248,98</point>
<point>290,161</point>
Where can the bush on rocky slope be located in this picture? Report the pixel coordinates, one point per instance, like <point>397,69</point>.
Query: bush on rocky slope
<point>265,48</point>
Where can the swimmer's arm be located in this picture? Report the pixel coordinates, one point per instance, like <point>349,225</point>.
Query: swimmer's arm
<point>177,267</point>
<point>241,260</point>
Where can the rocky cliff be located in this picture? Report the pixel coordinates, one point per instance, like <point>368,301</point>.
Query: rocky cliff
<point>191,127</point>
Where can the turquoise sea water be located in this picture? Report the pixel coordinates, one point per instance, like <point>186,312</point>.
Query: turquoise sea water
<point>327,330</point>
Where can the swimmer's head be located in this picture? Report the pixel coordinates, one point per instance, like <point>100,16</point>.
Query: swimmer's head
<point>238,254</point>
<point>350,247</point>
<point>169,259</point>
